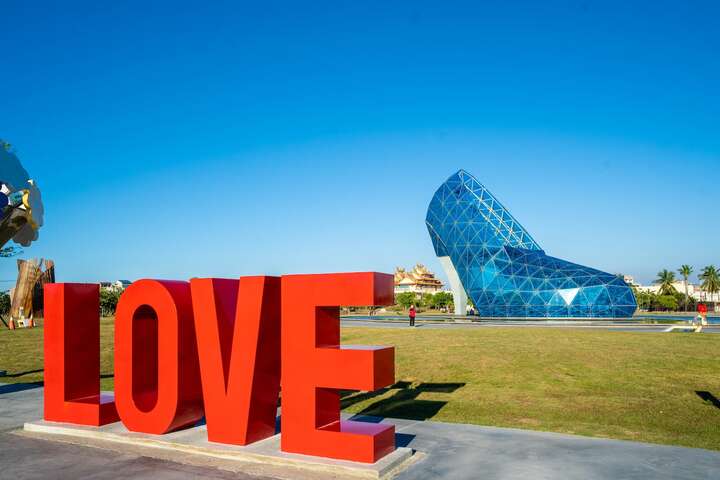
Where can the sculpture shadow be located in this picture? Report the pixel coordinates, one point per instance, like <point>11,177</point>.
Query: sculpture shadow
<point>708,397</point>
<point>18,387</point>
<point>20,374</point>
<point>404,403</point>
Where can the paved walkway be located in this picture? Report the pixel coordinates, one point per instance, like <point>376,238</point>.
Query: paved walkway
<point>451,451</point>
<point>434,324</point>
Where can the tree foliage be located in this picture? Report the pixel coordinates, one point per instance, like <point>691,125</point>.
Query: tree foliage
<point>667,302</point>
<point>108,301</point>
<point>405,299</point>
<point>442,299</point>
<point>685,271</point>
<point>4,303</point>
<point>439,300</point>
<point>655,302</point>
<point>665,279</point>
<point>710,279</point>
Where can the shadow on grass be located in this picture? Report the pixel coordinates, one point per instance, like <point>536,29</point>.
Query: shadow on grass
<point>20,374</point>
<point>708,397</point>
<point>30,372</point>
<point>404,403</point>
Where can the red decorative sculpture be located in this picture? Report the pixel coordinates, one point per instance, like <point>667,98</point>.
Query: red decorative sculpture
<point>237,352</point>
<point>72,356</point>
<point>157,383</point>
<point>238,333</point>
<point>315,366</point>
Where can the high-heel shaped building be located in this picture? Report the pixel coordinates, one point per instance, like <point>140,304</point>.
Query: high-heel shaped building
<point>488,256</point>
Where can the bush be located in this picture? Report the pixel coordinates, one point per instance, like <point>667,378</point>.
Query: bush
<point>4,303</point>
<point>667,302</point>
<point>108,301</point>
<point>406,299</point>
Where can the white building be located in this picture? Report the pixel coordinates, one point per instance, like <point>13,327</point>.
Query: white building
<point>694,291</point>
<point>116,285</point>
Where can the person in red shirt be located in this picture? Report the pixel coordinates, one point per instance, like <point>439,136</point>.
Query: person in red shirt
<point>411,314</point>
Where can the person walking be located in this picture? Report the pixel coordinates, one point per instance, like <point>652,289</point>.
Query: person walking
<point>411,314</point>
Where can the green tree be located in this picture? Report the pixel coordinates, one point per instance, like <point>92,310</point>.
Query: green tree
<point>442,299</point>
<point>427,300</point>
<point>665,279</point>
<point>405,299</point>
<point>108,301</point>
<point>710,279</point>
<point>643,298</point>
<point>667,302</point>
<point>4,303</point>
<point>685,271</point>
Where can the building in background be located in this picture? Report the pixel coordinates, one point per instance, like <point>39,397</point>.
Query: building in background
<point>419,280</point>
<point>118,285</point>
<point>694,291</point>
<point>630,280</point>
<point>490,257</point>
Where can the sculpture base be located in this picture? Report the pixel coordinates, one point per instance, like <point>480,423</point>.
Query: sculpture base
<point>193,442</point>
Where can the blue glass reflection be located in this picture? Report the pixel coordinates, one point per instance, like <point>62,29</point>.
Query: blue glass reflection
<point>504,271</point>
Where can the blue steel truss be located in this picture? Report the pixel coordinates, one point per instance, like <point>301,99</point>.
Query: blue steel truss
<point>503,269</point>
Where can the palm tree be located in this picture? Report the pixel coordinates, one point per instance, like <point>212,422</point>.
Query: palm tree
<point>686,271</point>
<point>710,280</point>
<point>665,280</point>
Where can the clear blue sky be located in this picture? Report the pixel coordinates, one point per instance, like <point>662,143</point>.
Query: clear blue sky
<point>223,138</point>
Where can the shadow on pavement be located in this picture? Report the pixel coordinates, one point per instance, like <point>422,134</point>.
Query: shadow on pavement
<point>18,387</point>
<point>401,439</point>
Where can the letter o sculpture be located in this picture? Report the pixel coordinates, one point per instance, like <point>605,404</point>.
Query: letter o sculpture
<point>157,382</point>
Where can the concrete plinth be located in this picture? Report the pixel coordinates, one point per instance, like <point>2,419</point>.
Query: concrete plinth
<point>194,442</point>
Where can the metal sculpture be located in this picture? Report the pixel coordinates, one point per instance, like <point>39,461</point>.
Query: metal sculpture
<point>21,208</point>
<point>21,216</point>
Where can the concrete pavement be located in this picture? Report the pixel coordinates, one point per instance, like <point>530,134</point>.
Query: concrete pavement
<point>30,458</point>
<point>464,452</point>
<point>430,323</point>
<point>451,451</point>
<point>19,402</point>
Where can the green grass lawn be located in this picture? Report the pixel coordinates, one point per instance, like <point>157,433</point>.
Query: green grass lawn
<point>635,386</point>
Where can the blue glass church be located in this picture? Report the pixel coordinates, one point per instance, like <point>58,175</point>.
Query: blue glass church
<point>491,258</point>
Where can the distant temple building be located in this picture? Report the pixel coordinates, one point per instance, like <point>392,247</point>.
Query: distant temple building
<point>418,280</point>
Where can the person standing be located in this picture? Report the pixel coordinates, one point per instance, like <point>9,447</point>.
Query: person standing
<point>411,314</point>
